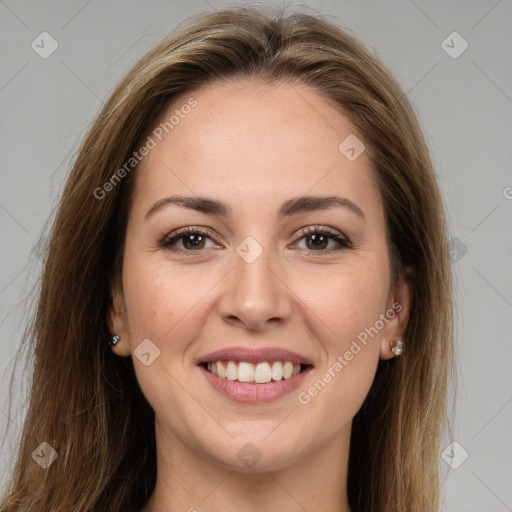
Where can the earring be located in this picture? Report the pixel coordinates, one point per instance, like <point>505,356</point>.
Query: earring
<point>397,347</point>
<point>114,340</point>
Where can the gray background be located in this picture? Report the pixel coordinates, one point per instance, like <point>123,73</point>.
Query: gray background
<point>464,105</point>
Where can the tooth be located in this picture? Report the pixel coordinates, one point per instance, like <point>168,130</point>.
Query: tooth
<point>245,372</point>
<point>287,370</point>
<point>221,372</point>
<point>262,373</point>
<point>232,371</point>
<point>277,370</point>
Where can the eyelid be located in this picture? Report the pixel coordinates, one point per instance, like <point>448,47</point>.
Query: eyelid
<point>342,241</point>
<point>319,228</point>
<point>181,232</point>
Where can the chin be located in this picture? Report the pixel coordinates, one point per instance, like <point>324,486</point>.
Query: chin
<point>256,454</point>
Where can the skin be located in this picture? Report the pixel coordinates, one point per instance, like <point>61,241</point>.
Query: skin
<point>253,148</point>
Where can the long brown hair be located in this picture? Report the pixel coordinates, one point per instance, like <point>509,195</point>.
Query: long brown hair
<point>86,402</point>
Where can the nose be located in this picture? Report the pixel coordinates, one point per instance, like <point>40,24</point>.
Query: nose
<point>255,295</point>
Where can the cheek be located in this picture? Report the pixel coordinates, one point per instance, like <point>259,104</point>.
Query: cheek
<point>343,309</point>
<point>165,302</point>
<point>161,301</point>
<point>345,302</point>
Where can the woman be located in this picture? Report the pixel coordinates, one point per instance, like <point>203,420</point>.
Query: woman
<point>246,300</point>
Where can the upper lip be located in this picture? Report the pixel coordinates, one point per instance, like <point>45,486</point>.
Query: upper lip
<point>254,355</point>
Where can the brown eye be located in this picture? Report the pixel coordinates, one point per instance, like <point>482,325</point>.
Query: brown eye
<point>317,240</point>
<point>187,241</point>
<point>194,241</point>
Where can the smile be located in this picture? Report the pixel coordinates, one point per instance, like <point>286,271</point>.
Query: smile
<point>259,373</point>
<point>247,390</point>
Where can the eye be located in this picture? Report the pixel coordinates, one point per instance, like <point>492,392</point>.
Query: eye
<point>192,240</point>
<point>317,240</point>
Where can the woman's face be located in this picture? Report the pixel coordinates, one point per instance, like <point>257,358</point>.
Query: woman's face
<point>268,263</point>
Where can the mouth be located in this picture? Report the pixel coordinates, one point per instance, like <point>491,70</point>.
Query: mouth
<point>254,383</point>
<point>250,375</point>
<point>260,373</point>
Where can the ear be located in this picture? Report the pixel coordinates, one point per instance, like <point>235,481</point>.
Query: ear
<point>397,311</point>
<point>116,320</point>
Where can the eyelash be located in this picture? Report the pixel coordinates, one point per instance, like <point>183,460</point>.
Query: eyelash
<point>168,242</point>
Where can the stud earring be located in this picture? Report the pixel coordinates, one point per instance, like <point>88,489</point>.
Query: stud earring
<point>397,347</point>
<point>114,340</point>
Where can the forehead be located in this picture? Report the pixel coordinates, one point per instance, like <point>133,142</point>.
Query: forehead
<point>248,141</point>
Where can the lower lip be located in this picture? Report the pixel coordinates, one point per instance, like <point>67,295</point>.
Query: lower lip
<point>255,393</point>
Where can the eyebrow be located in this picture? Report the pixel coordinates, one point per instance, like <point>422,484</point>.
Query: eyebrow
<point>290,207</point>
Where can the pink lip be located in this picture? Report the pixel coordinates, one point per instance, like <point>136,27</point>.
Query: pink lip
<point>248,393</point>
<point>254,355</point>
